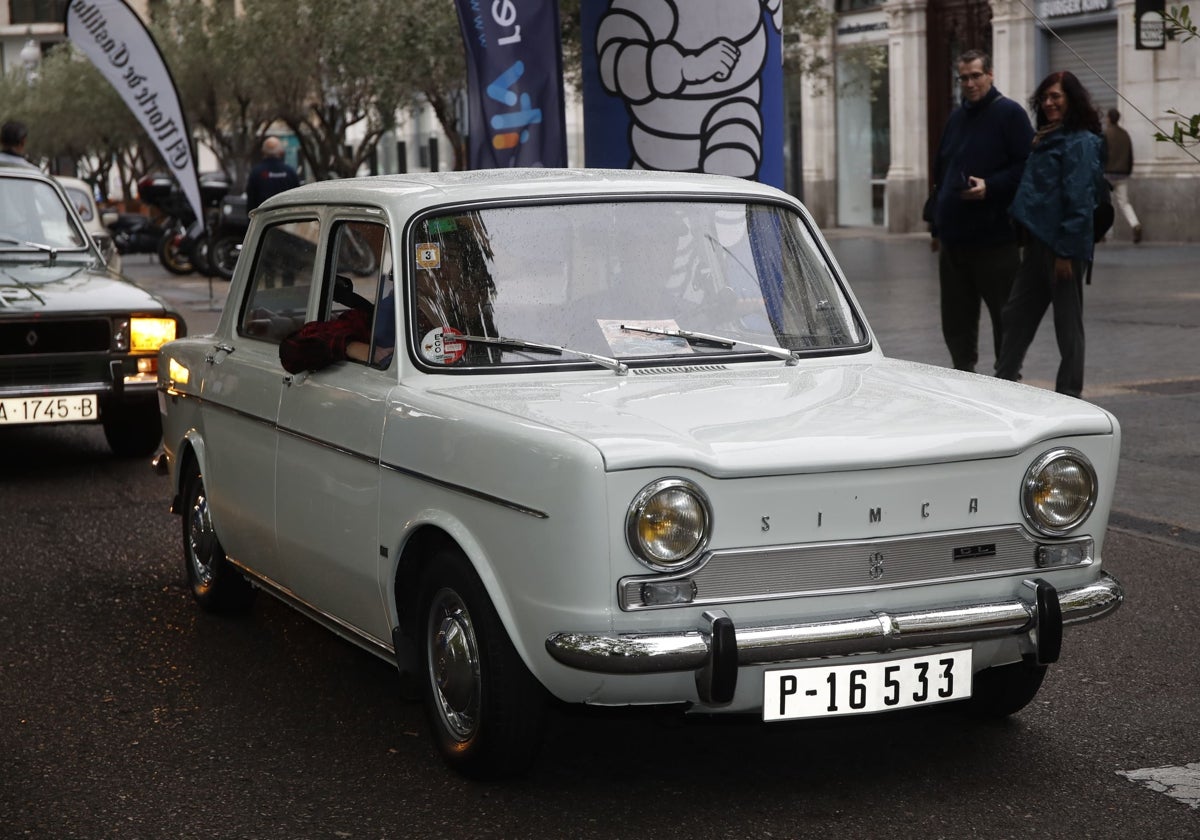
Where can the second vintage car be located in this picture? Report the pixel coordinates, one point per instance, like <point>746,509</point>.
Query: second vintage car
<point>78,342</point>
<point>620,438</point>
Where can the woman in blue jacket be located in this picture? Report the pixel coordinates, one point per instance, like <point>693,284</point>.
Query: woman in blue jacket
<point>1053,206</point>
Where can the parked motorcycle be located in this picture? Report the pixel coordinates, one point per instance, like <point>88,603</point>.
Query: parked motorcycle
<point>133,233</point>
<point>176,251</point>
<point>225,244</point>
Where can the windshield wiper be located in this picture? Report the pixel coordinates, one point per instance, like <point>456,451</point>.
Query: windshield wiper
<point>25,243</point>
<point>706,340</point>
<point>620,368</point>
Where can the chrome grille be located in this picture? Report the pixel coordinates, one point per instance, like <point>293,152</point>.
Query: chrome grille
<point>825,568</point>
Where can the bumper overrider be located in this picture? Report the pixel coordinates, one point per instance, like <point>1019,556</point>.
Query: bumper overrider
<point>716,649</point>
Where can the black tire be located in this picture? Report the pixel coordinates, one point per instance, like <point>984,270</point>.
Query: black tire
<point>201,262</point>
<point>1005,690</point>
<point>485,709</point>
<point>171,253</point>
<point>216,584</point>
<point>223,255</point>
<point>132,430</point>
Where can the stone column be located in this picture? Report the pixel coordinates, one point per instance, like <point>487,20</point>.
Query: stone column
<point>819,136</point>
<point>908,174</point>
<point>1014,50</point>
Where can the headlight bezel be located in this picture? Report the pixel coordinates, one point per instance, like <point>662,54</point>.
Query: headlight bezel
<point>1034,513</point>
<point>633,520</point>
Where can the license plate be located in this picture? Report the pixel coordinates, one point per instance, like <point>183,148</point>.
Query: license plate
<point>15,410</point>
<point>859,688</point>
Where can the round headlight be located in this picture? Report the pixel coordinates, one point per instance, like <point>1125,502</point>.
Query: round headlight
<point>1059,491</point>
<point>668,524</point>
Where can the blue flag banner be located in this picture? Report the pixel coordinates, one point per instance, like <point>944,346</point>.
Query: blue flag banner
<point>684,87</point>
<point>514,81</point>
<point>116,41</point>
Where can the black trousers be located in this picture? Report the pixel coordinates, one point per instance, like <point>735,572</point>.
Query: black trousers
<point>969,274</point>
<point>1036,289</point>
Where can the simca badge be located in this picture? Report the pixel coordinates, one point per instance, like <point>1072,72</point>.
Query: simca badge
<point>875,570</point>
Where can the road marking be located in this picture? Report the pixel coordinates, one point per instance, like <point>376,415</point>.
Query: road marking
<point>1182,783</point>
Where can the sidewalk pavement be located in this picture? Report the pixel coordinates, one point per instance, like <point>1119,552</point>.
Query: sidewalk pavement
<point>1141,317</point>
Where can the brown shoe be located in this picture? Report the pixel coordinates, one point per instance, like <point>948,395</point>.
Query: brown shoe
<point>1137,234</point>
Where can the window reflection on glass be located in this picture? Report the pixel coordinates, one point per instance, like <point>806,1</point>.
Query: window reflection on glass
<point>573,275</point>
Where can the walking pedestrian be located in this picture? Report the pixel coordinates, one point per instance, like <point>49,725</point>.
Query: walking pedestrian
<point>1054,206</point>
<point>979,162</point>
<point>270,176</point>
<point>1118,168</point>
<point>12,145</point>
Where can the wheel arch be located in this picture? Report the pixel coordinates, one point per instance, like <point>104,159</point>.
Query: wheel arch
<point>190,453</point>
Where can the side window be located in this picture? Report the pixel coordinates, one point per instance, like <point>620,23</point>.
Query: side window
<point>362,278</point>
<point>280,281</point>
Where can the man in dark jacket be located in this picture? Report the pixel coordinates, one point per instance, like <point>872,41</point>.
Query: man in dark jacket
<point>269,176</point>
<point>1117,168</point>
<point>979,164</point>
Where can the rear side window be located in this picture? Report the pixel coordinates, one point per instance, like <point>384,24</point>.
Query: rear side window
<point>280,281</point>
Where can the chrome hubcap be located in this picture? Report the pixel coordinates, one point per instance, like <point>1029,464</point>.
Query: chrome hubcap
<point>201,540</point>
<point>453,658</point>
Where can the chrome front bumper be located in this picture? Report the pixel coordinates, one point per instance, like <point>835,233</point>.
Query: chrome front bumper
<point>716,649</point>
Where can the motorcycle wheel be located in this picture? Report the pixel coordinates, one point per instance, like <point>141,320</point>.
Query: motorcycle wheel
<point>171,255</point>
<point>223,254</point>
<point>201,259</point>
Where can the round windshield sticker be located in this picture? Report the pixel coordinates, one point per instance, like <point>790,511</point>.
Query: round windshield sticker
<point>429,255</point>
<point>438,346</point>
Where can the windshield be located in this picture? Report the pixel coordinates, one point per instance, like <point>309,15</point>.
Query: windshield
<point>628,280</point>
<point>33,215</point>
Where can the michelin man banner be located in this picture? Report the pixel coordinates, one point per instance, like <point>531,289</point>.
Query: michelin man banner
<point>514,83</point>
<point>685,85</point>
<point>112,36</point>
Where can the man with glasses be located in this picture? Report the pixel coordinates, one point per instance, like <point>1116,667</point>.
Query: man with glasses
<point>979,163</point>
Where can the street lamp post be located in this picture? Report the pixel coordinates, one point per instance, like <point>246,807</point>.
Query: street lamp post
<point>31,57</point>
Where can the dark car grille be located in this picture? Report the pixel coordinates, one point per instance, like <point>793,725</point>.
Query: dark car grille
<point>39,338</point>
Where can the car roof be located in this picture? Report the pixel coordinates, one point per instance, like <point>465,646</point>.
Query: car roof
<point>432,188</point>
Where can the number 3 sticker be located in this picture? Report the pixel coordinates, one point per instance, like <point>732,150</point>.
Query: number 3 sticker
<point>429,255</point>
<point>438,346</point>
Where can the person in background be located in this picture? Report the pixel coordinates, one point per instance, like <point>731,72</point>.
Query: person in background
<point>12,144</point>
<point>270,176</point>
<point>1054,206</point>
<point>979,162</point>
<point>1118,167</point>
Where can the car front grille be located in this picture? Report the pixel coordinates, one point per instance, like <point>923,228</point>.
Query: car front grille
<point>47,337</point>
<point>827,568</point>
<point>49,371</point>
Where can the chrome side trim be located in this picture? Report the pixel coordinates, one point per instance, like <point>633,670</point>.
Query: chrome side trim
<point>347,631</point>
<point>457,488</point>
<point>873,632</point>
<point>466,491</point>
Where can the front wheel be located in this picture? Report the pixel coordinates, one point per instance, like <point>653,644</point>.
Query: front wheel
<point>485,708</point>
<point>216,585</point>
<point>223,254</point>
<point>172,252</point>
<point>1005,690</point>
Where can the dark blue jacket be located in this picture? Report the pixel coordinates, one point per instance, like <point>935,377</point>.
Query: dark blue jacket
<point>269,177</point>
<point>1057,194</point>
<point>989,140</point>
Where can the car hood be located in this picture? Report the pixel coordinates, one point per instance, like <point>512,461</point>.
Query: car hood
<point>772,420</point>
<point>68,287</point>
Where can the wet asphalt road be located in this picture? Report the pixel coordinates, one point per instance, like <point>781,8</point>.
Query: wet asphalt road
<point>125,712</point>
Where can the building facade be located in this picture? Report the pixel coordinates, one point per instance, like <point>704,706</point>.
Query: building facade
<point>866,144</point>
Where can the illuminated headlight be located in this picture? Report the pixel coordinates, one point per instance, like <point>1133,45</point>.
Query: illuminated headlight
<point>146,335</point>
<point>1059,491</point>
<point>668,524</point>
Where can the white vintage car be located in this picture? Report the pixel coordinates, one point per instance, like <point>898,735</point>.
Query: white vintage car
<point>620,438</point>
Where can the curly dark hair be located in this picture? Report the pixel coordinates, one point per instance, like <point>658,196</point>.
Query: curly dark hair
<point>1080,114</point>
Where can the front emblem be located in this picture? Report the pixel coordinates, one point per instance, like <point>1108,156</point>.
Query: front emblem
<point>875,569</point>
<point>31,338</point>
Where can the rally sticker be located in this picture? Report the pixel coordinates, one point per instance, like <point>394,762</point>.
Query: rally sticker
<point>429,255</point>
<point>438,346</point>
